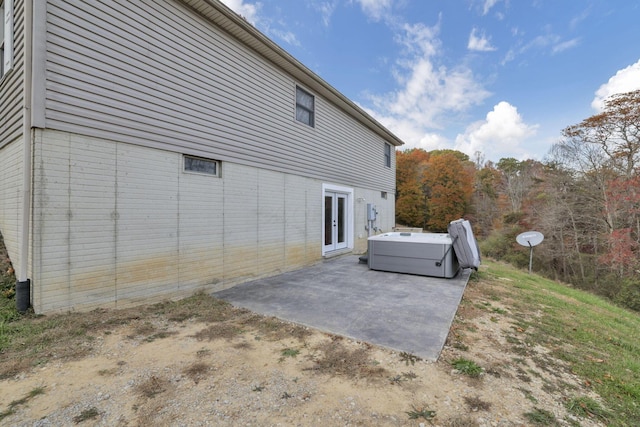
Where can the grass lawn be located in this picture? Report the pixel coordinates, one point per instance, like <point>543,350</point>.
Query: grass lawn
<point>600,341</point>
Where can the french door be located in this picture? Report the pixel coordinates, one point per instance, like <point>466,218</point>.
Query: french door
<point>336,226</point>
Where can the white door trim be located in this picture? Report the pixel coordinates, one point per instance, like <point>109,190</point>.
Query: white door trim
<point>349,192</point>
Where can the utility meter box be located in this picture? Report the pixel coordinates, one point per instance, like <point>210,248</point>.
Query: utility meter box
<point>371,212</point>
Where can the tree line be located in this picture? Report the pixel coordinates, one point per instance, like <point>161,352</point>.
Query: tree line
<point>584,197</point>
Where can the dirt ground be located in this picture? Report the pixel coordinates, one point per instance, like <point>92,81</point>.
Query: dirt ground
<point>160,366</point>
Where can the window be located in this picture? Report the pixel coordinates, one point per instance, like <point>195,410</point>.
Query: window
<point>383,195</point>
<point>6,36</point>
<point>387,155</point>
<point>305,107</point>
<point>202,166</point>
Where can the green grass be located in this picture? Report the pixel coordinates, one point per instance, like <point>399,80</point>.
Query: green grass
<point>541,417</point>
<point>423,412</point>
<point>87,414</point>
<point>409,358</point>
<point>586,407</point>
<point>599,341</point>
<point>290,352</point>
<point>8,311</point>
<point>467,367</point>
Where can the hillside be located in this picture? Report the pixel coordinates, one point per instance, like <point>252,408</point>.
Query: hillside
<point>522,351</point>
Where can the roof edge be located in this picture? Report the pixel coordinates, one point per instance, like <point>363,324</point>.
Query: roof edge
<point>241,29</point>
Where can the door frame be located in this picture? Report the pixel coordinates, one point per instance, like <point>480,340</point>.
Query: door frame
<point>349,226</point>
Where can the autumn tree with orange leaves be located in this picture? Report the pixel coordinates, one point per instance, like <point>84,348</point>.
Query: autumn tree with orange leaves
<point>592,214</point>
<point>411,207</point>
<point>448,184</point>
<point>612,141</point>
<point>434,188</point>
<point>584,198</point>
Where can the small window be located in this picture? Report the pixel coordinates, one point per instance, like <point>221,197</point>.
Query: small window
<point>305,107</point>
<point>200,165</point>
<point>387,155</point>
<point>6,36</point>
<point>383,195</point>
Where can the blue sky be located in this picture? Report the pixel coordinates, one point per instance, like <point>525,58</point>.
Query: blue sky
<point>500,77</point>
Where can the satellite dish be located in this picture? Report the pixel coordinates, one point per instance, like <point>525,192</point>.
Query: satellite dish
<point>530,238</point>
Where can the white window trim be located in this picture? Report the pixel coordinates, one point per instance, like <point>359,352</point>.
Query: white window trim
<point>387,160</point>
<point>218,173</point>
<point>7,60</point>
<point>313,112</point>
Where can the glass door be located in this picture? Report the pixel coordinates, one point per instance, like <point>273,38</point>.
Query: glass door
<point>335,221</point>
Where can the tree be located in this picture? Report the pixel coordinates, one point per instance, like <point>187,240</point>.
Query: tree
<point>609,146</point>
<point>585,199</point>
<point>623,205</point>
<point>455,153</point>
<point>516,181</point>
<point>558,208</point>
<point>411,201</point>
<point>485,198</point>
<point>593,201</point>
<point>449,182</point>
<point>616,131</point>
<point>433,187</point>
<point>410,164</point>
<point>411,209</point>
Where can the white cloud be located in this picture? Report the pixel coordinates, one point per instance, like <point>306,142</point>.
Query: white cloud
<point>251,12</point>
<point>625,80</point>
<point>479,42</point>
<point>375,9</point>
<point>562,46</point>
<point>542,42</point>
<point>286,36</point>
<point>413,136</point>
<point>508,57</point>
<point>326,9</point>
<point>547,42</point>
<point>488,4</point>
<point>427,93</point>
<point>502,134</point>
<point>247,10</point>
<point>578,19</point>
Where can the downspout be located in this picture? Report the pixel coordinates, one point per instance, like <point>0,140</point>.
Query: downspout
<point>23,285</point>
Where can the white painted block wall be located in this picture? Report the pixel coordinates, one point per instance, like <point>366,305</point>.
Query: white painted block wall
<point>117,224</point>
<point>11,196</point>
<point>385,220</point>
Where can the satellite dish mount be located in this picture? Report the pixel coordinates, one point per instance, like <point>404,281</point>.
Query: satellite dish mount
<point>530,239</point>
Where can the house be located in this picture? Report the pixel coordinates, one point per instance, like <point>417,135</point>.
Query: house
<point>150,149</point>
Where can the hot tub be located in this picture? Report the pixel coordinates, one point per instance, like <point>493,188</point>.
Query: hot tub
<point>425,254</point>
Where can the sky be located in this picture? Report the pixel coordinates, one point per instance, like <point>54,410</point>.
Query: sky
<point>501,78</point>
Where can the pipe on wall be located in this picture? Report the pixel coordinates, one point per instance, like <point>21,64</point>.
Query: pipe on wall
<point>23,285</point>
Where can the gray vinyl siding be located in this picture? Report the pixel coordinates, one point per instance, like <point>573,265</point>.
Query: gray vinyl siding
<point>155,73</point>
<point>11,139</point>
<point>11,85</point>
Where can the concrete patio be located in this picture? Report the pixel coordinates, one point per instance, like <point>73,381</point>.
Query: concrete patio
<point>402,312</point>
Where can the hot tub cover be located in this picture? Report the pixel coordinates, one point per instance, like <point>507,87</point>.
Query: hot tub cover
<point>464,244</point>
